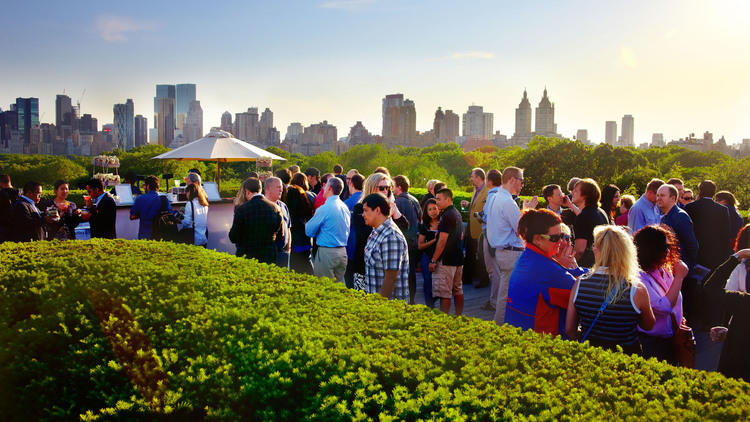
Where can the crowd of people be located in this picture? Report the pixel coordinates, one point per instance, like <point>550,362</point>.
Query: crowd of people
<point>592,264</point>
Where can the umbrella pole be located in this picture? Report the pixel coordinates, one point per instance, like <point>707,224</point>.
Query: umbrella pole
<point>218,176</point>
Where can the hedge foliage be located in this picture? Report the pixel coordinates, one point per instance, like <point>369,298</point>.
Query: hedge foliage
<point>147,330</point>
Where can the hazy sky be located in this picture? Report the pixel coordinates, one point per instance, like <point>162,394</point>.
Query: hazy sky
<point>676,66</point>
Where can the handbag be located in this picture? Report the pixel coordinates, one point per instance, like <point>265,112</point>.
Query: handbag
<point>187,234</point>
<point>683,341</point>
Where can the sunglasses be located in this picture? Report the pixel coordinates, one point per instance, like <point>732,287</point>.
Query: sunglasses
<point>554,238</point>
<point>687,198</point>
<point>384,188</point>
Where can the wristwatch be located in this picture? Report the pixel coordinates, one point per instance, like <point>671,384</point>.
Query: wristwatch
<point>432,261</point>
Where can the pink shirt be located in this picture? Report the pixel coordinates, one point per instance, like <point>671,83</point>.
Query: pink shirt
<point>657,283</point>
<point>622,220</point>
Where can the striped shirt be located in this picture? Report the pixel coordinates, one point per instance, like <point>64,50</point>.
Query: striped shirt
<point>618,323</point>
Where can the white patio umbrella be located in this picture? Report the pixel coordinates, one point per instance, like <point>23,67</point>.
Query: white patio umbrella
<point>218,146</point>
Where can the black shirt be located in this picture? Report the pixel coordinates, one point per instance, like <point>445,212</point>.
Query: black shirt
<point>450,222</point>
<point>589,218</point>
<point>428,235</point>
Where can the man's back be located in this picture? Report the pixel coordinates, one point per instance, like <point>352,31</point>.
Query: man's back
<point>711,225</point>
<point>103,218</point>
<point>409,208</point>
<point>256,224</point>
<point>147,207</point>
<point>8,197</point>
<point>27,223</point>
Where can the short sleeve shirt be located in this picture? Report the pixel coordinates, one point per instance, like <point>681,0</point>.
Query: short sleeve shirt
<point>589,218</point>
<point>386,250</point>
<point>450,222</point>
<point>428,235</point>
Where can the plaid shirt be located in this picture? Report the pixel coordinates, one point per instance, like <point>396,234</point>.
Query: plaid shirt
<point>386,250</point>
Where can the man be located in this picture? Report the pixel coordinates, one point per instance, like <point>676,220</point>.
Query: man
<point>149,206</point>
<point>408,206</point>
<point>27,220</point>
<point>313,176</point>
<point>285,176</point>
<point>645,212</point>
<point>446,264</point>
<point>677,183</point>
<point>293,169</point>
<point>330,226</point>
<point>8,197</point>
<point>712,230</point>
<point>356,182</point>
<point>337,171</point>
<point>686,197</point>
<point>193,178</point>
<point>320,198</point>
<point>494,181</point>
<point>571,185</point>
<point>679,221</point>
<point>736,221</point>
<point>386,252</point>
<point>256,225</point>
<point>586,196</point>
<point>474,265</point>
<point>502,233</point>
<point>274,188</point>
<point>102,215</point>
<point>560,204</point>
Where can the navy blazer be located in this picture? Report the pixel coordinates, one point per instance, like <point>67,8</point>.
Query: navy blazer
<point>712,230</point>
<point>27,222</point>
<point>103,217</point>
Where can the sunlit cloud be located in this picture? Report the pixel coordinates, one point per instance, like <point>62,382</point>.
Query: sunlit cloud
<point>472,55</point>
<point>116,28</point>
<point>345,4</point>
<point>627,56</point>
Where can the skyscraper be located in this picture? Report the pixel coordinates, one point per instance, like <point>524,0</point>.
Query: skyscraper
<point>359,135</point>
<point>545,118</point>
<point>269,136</point>
<point>246,125</point>
<point>193,128</point>
<point>88,124</point>
<point>451,121</point>
<point>164,91</point>
<point>610,132</point>
<point>28,117</point>
<point>124,125</point>
<point>399,120</point>
<point>64,115</point>
<point>165,120</point>
<point>627,130</point>
<point>294,132</point>
<point>184,95</point>
<point>477,123</point>
<point>582,135</point>
<point>141,130</point>
<point>226,122</point>
<point>522,134</point>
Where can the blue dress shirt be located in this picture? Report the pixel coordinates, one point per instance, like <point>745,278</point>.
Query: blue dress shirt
<point>330,223</point>
<point>502,221</point>
<point>643,213</point>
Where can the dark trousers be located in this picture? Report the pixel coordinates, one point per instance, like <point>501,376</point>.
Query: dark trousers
<point>424,265</point>
<point>657,347</point>
<point>474,263</point>
<point>300,262</point>
<point>414,255</point>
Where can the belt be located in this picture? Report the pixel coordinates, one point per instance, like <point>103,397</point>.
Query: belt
<point>512,248</point>
<point>331,247</point>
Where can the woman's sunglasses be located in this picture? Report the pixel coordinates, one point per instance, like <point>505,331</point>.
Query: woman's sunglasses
<point>555,237</point>
<point>384,188</point>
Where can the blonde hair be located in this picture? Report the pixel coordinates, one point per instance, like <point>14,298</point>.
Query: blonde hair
<point>431,184</point>
<point>371,184</point>
<point>617,253</point>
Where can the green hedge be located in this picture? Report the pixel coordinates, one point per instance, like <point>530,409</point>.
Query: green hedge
<point>179,332</point>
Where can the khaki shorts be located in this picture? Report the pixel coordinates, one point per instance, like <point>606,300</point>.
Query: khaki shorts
<point>446,281</point>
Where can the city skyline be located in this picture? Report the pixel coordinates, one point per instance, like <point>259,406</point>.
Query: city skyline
<point>674,77</point>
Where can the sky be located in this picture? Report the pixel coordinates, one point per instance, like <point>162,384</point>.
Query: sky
<point>678,67</point>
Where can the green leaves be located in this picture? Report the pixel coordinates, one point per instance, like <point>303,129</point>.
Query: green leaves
<point>206,335</point>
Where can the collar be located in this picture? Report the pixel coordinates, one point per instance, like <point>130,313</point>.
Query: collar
<point>493,190</point>
<point>257,194</point>
<point>533,248</point>
<point>28,199</point>
<point>100,198</point>
<point>382,227</point>
<point>558,212</point>
<point>332,198</point>
<point>479,189</point>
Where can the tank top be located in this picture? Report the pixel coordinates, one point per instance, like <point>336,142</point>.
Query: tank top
<point>618,324</point>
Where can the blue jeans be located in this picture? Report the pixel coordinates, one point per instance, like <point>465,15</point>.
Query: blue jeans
<point>707,353</point>
<point>424,265</point>
<point>282,259</point>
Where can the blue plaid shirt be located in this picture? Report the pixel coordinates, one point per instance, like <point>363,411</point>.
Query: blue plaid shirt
<point>386,250</point>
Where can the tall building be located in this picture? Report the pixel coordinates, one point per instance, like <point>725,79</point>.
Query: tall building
<point>124,122</point>
<point>359,135</point>
<point>226,122</point>
<point>544,124</point>
<point>318,138</point>
<point>28,117</point>
<point>657,140</point>
<point>141,130</point>
<point>246,125</point>
<point>610,132</point>
<point>164,91</point>
<point>522,134</point>
<point>64,115</point>
<point>582,135</point>
<point>165,120</point>
<point>8,127</point>
<point>184,95</point>
<point>477,123</point>
<point>399,120</point>
<point>88,124</point>
<point>627,130</point>
<point>193,128</point>
<point>294,133</point>
<point>269,136</point>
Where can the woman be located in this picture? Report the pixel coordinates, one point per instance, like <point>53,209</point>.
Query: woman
<point>63,227</point>
<point>626,203</point>
<point>196,214</point>
<point>376,182</point>
<point>610,201</point>
<point>662,273</point>
<point>539,286</point>
<point>734,360</point>
<point>611,302</point>
<point>738,279</point>
<point>430,192</point>
<point>299,201</point>
<point>426,240</point>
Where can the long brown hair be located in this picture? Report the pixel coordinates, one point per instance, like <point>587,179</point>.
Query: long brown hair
<point>196,191</point>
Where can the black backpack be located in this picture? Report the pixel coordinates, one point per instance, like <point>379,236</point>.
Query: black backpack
<point>165,226</point>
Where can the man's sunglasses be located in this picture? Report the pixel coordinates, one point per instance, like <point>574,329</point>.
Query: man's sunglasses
<point>687,198</point>
<point>554,238</point>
